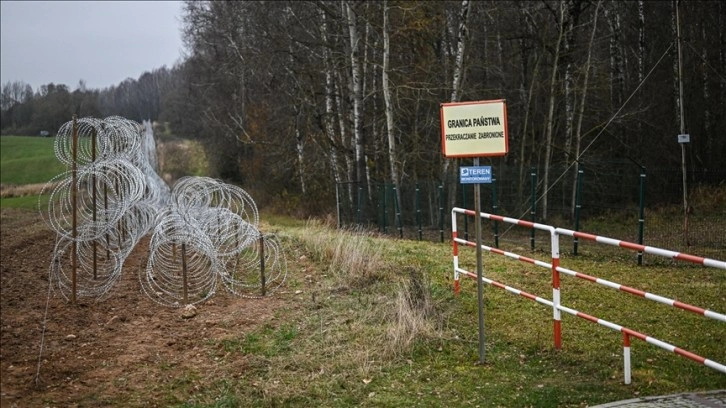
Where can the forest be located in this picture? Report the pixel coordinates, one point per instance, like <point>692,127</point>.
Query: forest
<point>291,98</point>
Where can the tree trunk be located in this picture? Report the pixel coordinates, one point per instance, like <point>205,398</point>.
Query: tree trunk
<point>357,96</point>
<point>392,155</point>
<point>641,59</point>
<point>551,113</point>
<point>329,87</point>
<point>581,110</point>
<point>300,148</point>
<point>456,84</point>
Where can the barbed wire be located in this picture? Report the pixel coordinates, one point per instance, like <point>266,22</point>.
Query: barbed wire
<point>204,232</point>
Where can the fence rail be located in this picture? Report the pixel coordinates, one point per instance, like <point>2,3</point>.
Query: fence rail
<point>556,270</point>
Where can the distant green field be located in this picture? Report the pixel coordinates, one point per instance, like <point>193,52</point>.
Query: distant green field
<point>27,202</point>
<point>28,160</point>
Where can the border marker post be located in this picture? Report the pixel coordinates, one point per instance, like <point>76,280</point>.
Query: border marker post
<point>475,129</point>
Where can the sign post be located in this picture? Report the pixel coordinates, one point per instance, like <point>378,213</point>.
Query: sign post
<point>475,129</point>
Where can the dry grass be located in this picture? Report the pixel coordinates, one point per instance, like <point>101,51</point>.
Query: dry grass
<point>11,190</point>
<point>414,312</point>
<point>354,257</point>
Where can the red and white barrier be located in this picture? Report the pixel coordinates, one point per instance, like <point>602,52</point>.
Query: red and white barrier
<point>713,263</point>
<point>556,269</point>
<point>626,331</point>
<point>555,251</point>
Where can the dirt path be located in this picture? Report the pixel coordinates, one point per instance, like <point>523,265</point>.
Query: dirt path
<point>113,352</point>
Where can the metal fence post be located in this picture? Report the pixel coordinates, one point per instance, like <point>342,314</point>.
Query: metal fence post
<point>533,209</point>
<point>337,205</point>
<point>418,211</point>
<point>381,200</point>
<point>641,216</point>
<point>385,209</point>
<point>360,196</point>
<point>578,205</point>
<point>397,209</point>
<point>494,210</point>
<point>464,205</point>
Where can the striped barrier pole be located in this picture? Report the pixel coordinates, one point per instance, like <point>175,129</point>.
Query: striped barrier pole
<point>557,319</point>
<point>714,263</point>
<point>651,340</point>
<point>650,296</point>
<point>604,282</point>
<point>616,327</point>
<point>626,359</point>
<point>455,246</point>
<point>555,246</point>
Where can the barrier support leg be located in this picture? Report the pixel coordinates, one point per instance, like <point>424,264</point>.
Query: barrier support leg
<point>556,314</point>
<point>626,358</point>
<point>456,256</point>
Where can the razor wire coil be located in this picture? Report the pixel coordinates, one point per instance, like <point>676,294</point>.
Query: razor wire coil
<point>204,232</point>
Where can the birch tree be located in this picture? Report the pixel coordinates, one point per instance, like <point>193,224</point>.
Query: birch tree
<point>357,94</point>
<point>456,84</point>
<point>390,128</point>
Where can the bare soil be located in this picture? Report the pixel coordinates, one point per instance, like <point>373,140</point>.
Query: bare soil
<point>121,351</point>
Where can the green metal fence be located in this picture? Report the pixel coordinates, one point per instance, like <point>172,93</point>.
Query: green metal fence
<point>621,200</point>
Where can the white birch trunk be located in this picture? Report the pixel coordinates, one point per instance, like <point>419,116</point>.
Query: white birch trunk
<point>357,96</point>
<point>458,70</point>
<point>344,137</point>
<point>300,147</point>
<point>392,154</point>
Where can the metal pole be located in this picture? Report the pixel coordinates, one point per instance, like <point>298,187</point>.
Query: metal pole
<point>385,209</point>
<point>418,211</point>
<point>74,203</point>
<point>578,206</point>
<point>379,211</point>
<point>641,214</point>
<point>533,209</point>
<point>337,204</point>
<point>397,208</point>
<point>479,266</point>
<point>464,204</point>
<point>683,131</point>
<point>358,204</point>
<point>494,210</point>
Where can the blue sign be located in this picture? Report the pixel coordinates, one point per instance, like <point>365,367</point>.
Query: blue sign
<point>475,174</point>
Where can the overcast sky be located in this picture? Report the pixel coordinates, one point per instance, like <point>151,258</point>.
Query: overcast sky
<point>101,42</point>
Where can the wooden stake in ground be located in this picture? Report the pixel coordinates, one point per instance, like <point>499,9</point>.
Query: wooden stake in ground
<point>93,180</point>
<point>74,205</point>
<point>262,264</point>
<point>184,270</point>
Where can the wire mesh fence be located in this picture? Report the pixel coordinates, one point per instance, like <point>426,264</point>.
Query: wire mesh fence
<point>617,199</point>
